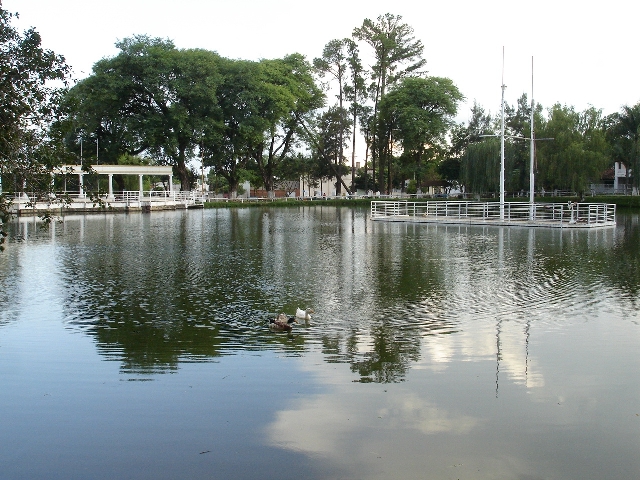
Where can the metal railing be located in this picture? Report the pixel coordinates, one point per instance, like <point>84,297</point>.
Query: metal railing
<point>121,196</point>
<point>541,214</point>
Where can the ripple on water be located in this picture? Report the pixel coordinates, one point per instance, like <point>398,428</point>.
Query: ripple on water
<point>215,290</point>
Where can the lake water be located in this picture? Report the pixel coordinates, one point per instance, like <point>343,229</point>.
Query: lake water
<point>137,346</point>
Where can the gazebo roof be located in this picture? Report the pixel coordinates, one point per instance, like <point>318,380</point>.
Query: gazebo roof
<point>118,169</point>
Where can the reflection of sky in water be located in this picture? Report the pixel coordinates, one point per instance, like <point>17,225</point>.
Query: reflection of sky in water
<point>463,413</point>
<point>434,353</point>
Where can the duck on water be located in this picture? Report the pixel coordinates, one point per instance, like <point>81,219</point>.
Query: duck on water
<point>304,314</point>
<point>282,323</point>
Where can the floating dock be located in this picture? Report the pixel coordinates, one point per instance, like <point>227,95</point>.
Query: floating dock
<point>522,214</point>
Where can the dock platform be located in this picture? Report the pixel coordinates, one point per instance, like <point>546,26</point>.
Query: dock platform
<point>522,214</point>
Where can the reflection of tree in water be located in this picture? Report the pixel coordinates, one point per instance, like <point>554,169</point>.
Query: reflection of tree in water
<point>390,356</point>
<point>384,359</point>
<point>600,264</point>
<point>152,347</point>
<point>624,268</point>
<point>155,301</point>
<point>9,289</point>
<point>407,284</point>
<point>146,341</point>
<point>154,296</point>
<point>401,301</point>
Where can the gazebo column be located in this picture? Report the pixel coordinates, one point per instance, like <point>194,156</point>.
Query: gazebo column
<point>141,187</point>
<point>110,197</point>
<point>171,185</point>
<point>81,183</point>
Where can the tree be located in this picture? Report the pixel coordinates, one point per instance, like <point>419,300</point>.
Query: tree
<point>480,166</point>
<point>624,135</point>
<point>238,95</point>
<point>398,55</point>
<point>335,62</point>
<point>28,104</point>
<point>329,142</point>
<point>462,134</point>
<point>150,98</point>
<point>418,112</point>
<point>286,95</point>
<point>579,152</point>
<point>355,93</point>
<point>518,130</point>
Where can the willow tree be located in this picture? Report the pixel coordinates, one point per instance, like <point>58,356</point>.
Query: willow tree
<point>397,55</point>
<point>579,152</point>
<point>480,166</point>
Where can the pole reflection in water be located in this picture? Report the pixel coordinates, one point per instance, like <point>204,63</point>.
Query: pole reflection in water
<point>138,346</point>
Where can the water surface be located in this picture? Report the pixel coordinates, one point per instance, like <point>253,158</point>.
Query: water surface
<point>137,346</point>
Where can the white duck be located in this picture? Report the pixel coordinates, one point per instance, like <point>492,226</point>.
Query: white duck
<point>304,314</point>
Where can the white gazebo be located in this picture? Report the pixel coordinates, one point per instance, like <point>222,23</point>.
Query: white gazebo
<point>111,170</point>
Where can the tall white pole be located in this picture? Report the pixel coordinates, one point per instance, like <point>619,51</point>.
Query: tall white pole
<point>533,153</point>
<point>502,144</point>
<point>202,166</point>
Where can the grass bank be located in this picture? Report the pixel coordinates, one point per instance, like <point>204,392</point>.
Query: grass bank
<point>624,202</point>
<point>290,202</point>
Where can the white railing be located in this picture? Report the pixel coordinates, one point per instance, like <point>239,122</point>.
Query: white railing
<point>128,197</point>
<point>553,214</point>
<point>151,195</point>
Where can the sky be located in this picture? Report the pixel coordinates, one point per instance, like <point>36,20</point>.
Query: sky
<point>583,54</point>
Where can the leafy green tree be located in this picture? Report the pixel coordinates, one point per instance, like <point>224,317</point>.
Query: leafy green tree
<point>579,152</point>
<point>517,128</point>
<point>239,96</point>
<point>461,137</point>
<point>355,92</point>
<point>449,169</point>
<point>419,112</point>
<point>480,123</point>
<point>29,99</point>
<point>397,55</point>
<point>335,62</point>
<point>333,131</point>
<point>480,166</point>
<point>287,96</point>
<point>31,82</point>
<point>624,135</point>
<point>150,98</point>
